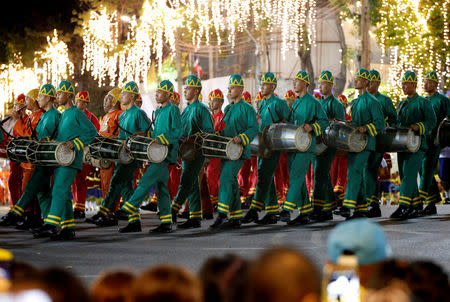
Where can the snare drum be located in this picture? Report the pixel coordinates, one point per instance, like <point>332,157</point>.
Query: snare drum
<point>341,136</point>
<point>147,149</point>
<point>395,139</point>
<point>95,162</point>
<point>40,153</point>
<point>215,146</point>
<point>258,148</point>
<point>110,149</point>
<point>287,138</point>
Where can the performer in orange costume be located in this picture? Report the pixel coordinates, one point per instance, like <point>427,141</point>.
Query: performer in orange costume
<point>79,186</point>
<point>338,171</point>
<point>110,128</point>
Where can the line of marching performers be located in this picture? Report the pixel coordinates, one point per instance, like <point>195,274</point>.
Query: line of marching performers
<point>278,184</point>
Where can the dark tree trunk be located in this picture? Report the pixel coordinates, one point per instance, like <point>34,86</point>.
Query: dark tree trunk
<point>341,77</point>
<point>306,64</point>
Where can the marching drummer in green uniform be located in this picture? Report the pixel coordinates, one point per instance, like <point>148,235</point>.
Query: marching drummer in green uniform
<point>367,117</point>
<point>272,109</point>
<point>428,189</point>
<point>39,183</point>
<point>373,165</point>
<point>414,112</point>
<point>132,121</point>
<point>240,124</point>
<point>309,114</point>
<point>76,131</point>
<point>323,195</point>
<point>167,131</point>
<point>194,119</point>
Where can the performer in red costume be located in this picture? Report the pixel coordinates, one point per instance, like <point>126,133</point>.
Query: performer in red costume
<point>79,186</point>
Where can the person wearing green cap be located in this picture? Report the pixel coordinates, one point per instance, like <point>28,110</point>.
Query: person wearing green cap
<point>272,109</point>
<point>414,112</point>
<point>133,120</point>
<point>374,162</point>
<point>76,131</point>
<point>367,117</point>
<point>39,184</point>
<point>167,131</point>
<point>194,119</point>
<point>428,188</point>
<point>309,114</point>
<point>323,195</point>
<point>241,124</point>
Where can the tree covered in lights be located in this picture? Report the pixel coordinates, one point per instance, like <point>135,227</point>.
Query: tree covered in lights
<point>414,35</point>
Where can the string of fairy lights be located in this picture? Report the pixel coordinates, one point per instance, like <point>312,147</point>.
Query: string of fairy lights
<point>160,21</point>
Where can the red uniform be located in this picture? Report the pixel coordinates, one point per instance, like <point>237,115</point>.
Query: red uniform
<point>282,178</point>
<point>79,186</point>
<point>213,169</point>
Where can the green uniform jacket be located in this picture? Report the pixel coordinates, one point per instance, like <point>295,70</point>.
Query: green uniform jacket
<point>417,110</point>
<point>74,126</point>
<point>272,110</point>
<point>167,129</point>
<point>333,108</point>
<point>133,120</point>
<point>308,110</point>
<point>47,124</point>
<point>389,112</point>
<point>240,120</point>
<point>367,112</point>
<point>440,104</point>
<point>196,118</point>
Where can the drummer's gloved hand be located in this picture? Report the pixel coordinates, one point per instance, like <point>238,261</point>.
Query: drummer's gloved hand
<point>362,129</point>
<point>307,127</point>
<point>237,140</point>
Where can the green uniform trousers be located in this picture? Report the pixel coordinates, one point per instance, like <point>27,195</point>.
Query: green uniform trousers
<point>372,191</point>
<point>266,194</point>
<point>428,189</point>
<point>229,198</point>
<point>323,195</point>
<point>409,165</point>
<point>189,188</point>
<point>156,176</point>
<point>38,186</point>
<point>61,211</point>
<point>121,185</point>
<point>297,196</point>
<point>355,195</point>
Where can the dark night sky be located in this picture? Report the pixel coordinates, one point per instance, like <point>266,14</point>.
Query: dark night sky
<point>25,23</point>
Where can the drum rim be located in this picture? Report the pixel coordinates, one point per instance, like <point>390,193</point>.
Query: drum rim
<point>241,150</point>
<point>166,151</point>
<point>61,145</point>
<point>350,137</point>
<point>299,130</point>
<point>412,133</point>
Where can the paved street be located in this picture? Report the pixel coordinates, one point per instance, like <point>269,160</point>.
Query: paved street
<point>98,248</point>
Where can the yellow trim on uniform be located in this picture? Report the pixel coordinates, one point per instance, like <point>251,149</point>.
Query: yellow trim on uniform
<point>76,144</point>
<point>51,221</point>
<point>55,217</point>
<point>80,142</point>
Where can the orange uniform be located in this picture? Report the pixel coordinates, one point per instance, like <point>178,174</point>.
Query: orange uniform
<point>109,128</point>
